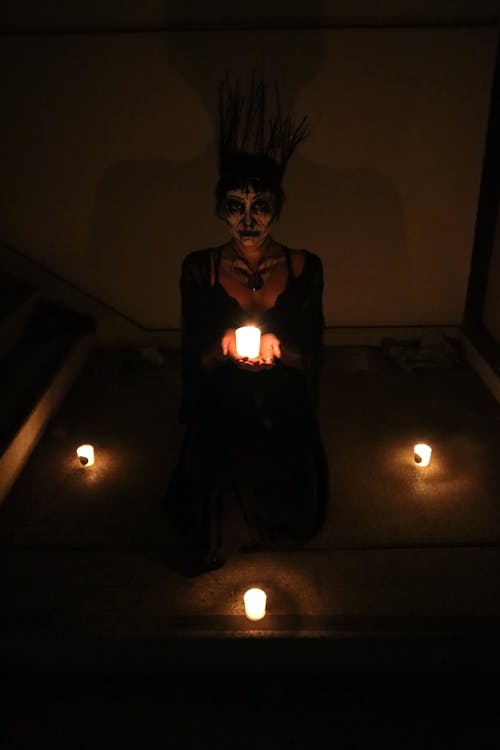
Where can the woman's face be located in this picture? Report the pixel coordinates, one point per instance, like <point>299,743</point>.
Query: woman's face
<point>249,215</point>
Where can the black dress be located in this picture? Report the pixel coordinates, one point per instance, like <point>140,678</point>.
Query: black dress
<point>252,467</point>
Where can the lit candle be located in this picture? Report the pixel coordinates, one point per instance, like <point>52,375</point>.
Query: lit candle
<point>86,454</point>
<point>248,341</point>
<point>255,604</point>
<point>422,454</point>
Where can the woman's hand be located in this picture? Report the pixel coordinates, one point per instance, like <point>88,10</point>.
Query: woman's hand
<point>270,348</point>
<point>228,344</point>
<point>269,351</point>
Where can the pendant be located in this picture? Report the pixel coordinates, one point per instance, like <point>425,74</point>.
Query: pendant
<point>255,281</point>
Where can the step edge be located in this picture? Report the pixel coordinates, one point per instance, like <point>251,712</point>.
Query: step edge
<point>30,431</point>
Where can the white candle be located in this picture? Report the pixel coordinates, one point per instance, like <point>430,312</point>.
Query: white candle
<point>86,454</point>
<point>248,341</point>
<point>255,604</point>
<point>422,454</point>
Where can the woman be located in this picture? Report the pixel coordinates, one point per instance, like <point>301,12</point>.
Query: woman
<point>252,469</point>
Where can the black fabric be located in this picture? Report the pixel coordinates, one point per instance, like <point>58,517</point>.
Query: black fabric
<point>252,467</point>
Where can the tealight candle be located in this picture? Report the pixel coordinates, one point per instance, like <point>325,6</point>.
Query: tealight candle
<point>422,454</point>
<point>255,604</point>
<point>86,454</point>
<point>248,341</point>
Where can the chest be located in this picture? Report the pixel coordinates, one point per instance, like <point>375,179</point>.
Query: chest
<point>275,283</point>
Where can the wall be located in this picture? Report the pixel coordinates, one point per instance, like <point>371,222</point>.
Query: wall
<point>108,160</point>
<point>492,301</point>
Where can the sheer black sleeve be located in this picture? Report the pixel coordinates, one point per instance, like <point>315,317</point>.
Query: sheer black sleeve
<point>312,322</point>
<point>302,336</point>
<point>200,332</point>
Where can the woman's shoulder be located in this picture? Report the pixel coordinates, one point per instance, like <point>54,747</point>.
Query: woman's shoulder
<point>305,261</point>
<point>197,258</point>
<point>195,269</point>
<point>310,257</point>
<point>197,265</point>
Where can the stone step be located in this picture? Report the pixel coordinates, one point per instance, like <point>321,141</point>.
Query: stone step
<point>17,302</point>
<point>37,366</point>
<point>27,369</point>
<point>104,610</point>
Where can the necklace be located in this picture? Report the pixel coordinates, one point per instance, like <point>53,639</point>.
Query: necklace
<point>255,281</point>
<point>253,278</point>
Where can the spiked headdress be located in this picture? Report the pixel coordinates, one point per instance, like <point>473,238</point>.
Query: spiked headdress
<point>256,138</point>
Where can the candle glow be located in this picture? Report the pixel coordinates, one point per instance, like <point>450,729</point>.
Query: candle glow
<point>255,604</point>
<point>86,454</point>
<point>422,454</point>
<point>248,341</point>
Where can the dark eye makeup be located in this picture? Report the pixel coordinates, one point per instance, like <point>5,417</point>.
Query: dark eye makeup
<point>261,207</point>
<point>234,207</point>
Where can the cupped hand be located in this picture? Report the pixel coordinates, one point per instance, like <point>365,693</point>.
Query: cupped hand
<point>269,351</point>
<point>270,348</point>
<point>228,344</point>
<point>254,365</point>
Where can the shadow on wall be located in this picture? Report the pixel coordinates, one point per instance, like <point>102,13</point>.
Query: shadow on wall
<point>146,215</point>
<point>368,274</point>
<point>109,158</point>
<point>149,213</point>
<point>290,57</point>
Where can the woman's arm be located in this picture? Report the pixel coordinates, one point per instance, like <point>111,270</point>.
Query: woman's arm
<point>200,331</point>
<point>200,335</point>
<point>302,343</point>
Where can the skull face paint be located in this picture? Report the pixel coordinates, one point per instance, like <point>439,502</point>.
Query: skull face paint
<point>249,215</point>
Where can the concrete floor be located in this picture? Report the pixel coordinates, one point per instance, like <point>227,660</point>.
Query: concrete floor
<point>396,601</point>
